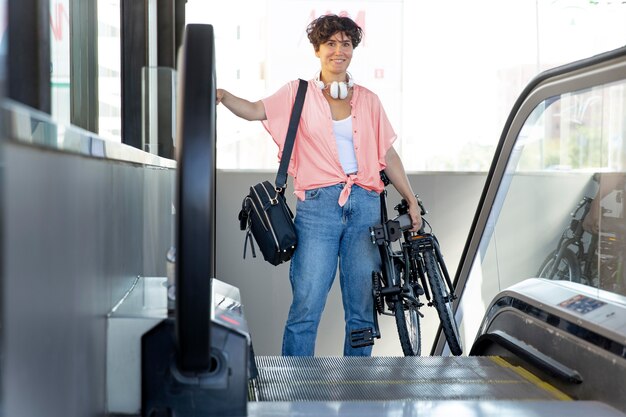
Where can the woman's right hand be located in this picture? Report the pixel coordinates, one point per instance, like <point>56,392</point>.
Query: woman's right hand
<point>219,95</point>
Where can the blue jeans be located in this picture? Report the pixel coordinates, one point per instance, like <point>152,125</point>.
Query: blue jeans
<point>329,235</point>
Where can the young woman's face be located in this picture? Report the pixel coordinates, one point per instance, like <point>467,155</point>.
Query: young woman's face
<point>335,54</point>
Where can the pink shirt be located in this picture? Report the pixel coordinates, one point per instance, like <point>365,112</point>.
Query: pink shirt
<point>315,159</point>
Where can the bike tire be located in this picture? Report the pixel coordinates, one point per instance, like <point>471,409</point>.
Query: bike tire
<point>568,269</point>
<point>440,293</point>
<point>408,324</point>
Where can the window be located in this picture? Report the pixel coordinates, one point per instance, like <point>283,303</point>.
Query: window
<point>447,73</point>
<point>60,57</point>
<point>109,70</point>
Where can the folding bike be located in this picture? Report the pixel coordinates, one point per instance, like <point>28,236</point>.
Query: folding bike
<point>414,270</point>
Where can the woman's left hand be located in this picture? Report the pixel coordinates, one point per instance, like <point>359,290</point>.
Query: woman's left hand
<point>416,217</point>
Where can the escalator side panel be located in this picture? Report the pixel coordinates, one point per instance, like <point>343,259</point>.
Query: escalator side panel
<point>581,342</point>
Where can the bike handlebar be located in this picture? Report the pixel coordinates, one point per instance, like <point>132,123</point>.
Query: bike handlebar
<point>404,219</point>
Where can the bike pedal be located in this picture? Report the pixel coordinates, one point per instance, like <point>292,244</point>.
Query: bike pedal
<point>361,337</point>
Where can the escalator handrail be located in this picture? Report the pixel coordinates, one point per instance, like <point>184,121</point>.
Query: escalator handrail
<point>195,223</point>
<point>526,352</point>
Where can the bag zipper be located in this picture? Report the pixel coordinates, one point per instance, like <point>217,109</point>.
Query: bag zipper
<point>256,210</point>
<point>268,219</point>
<point>273,201</point>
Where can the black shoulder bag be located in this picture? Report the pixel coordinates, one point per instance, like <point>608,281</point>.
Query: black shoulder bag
<point>264,212</point>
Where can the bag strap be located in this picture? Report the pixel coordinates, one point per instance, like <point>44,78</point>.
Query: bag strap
<point>245,243</point>
<point>281,176</point>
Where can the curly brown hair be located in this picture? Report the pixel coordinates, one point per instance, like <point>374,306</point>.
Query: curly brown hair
<point>322,28</point>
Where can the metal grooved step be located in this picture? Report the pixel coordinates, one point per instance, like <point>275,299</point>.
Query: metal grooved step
<point>395,378</point>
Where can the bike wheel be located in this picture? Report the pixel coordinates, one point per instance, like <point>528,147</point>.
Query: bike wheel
<point>442,303</point>
<point>408,321</point>
<point>567,270</point>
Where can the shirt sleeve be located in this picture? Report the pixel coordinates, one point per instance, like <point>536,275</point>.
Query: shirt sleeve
<point>278,111</point>
<point>386,135</point>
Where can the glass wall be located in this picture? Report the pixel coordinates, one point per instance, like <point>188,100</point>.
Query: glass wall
<point>109,79</point>
<point>109,70</point>
<point>60,57</point>
<point>559,211</point>
<point>448,72</point>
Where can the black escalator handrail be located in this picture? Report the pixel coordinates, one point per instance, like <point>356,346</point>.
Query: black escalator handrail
<point>195,231</point>
<point>462,272</point>
<point>526,352</point>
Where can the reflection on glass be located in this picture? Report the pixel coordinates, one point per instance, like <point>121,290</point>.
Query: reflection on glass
<point>559,210</point>
<point>591,247</point>
<point>606,223</point>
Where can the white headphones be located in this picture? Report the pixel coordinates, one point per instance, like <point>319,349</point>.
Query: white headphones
<point>336,89</point>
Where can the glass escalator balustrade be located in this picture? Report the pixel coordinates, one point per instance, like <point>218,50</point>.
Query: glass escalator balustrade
<point>559,210</point>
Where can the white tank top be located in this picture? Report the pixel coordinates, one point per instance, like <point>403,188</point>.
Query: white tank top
<point>345,144</point>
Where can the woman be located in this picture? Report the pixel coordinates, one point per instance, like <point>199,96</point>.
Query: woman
<point>344,140</point>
